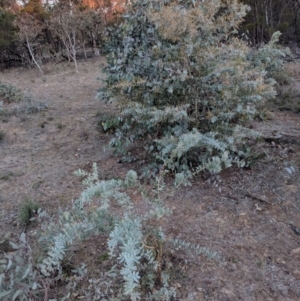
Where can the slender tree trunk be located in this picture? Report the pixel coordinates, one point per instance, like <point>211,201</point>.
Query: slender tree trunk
<point>84,49</point>
<point>295,27</point>
<point>71,37</point>
<point>73,48</point>
<point>32,55</point>
<point>256,24</point>
<point>95,48</point>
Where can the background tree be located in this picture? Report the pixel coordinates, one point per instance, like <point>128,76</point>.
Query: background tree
<point>7,28</point>
<point>268,16</point>
<point>9,4</point>
<point>30,29</point>
<point>78,25</point>
<point>8,32</point>
<point>30,20</point>
<point>65,22</point>
<point>109,8</point>
<point>34,8</point>
<point>91,29</point>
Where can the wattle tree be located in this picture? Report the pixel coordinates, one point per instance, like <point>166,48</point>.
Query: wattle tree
<point>186,84</point>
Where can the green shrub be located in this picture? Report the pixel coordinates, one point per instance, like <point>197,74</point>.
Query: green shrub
<point>135,248</point>
<point>186,85</point>
<point>28,211</point>
<point>9,93</point>
<point>107,123</point>
<point>33,105</point>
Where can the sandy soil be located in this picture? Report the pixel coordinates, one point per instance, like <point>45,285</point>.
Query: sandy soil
<point>253,223</point>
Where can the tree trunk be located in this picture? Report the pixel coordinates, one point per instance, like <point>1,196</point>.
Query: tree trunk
<point>32,55</point>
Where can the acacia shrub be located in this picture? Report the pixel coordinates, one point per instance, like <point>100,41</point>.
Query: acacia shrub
<point>186,84</point>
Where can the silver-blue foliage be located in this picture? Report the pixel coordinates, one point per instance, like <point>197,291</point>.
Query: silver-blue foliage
<point>185,81</point>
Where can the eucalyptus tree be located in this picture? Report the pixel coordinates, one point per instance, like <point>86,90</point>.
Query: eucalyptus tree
<point>268,16</point>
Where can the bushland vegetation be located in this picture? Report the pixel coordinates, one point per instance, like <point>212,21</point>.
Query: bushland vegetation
<point>33,32</point>
<point>187,82</point>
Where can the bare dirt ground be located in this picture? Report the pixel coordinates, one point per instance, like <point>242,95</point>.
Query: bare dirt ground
<point>253,223</point>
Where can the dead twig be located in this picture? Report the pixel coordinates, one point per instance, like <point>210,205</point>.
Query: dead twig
<point>294,228</point>
<point>46,287</point>
<point>248,194</point>
<point>71,130</point>
<point>231,197</point>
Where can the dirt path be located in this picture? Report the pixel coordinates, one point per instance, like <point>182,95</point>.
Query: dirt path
<point>40,151</point>
<point>253,223</point>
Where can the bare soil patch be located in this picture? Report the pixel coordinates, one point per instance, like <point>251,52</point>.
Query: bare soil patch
<point>253,223</point>
<point>40,151</point>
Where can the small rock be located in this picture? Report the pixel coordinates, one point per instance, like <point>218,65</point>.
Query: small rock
<point>228,292</point>
<point>192,296</point>
<point>257,207</point>
<point>280,261</point>
<point>177,285</point>
<point>296,251</point>
<point>296,273</point>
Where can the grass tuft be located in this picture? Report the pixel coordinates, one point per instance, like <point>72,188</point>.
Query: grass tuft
<point>28,211</point>
<point>2,135</point>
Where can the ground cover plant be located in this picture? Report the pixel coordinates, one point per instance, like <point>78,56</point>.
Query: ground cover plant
<point>135,247</point>
<point>9,93</point>
<point>28,212</point>
<point>13,101</point>
<point>187,85</point>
